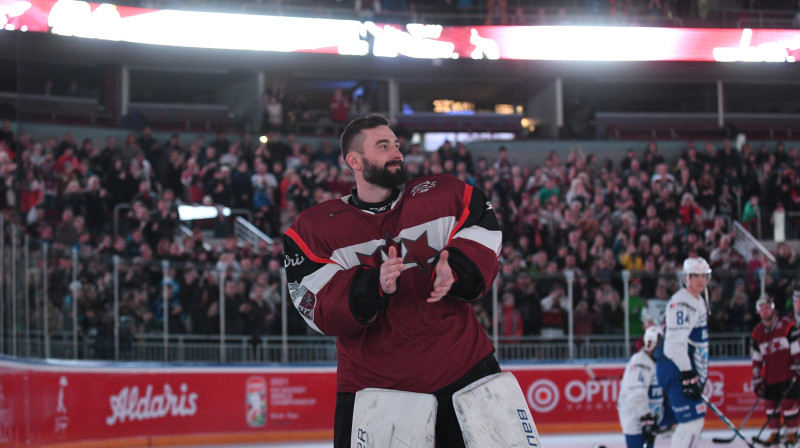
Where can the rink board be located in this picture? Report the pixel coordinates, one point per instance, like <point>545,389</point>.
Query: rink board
<point>66,404</point>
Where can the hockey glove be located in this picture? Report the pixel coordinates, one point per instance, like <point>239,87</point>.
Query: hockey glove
<point>758,386</point>
<point>648,428</point>
<point>690,385</point>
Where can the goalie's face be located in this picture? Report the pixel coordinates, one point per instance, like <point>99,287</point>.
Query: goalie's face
<point>380,161</point>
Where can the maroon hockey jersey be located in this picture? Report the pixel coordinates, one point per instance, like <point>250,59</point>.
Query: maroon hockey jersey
<point>771,350</point>
<point>412,345</point>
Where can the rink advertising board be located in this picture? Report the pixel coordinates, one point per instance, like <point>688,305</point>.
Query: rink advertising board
<point>583,397</point>
<point>49,404</point>
<point>59,404</point>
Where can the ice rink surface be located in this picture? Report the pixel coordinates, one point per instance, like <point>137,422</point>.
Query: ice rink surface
<point>607,440</point>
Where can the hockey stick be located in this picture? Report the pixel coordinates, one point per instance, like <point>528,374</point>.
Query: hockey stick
<point>741,425</point>
<point>588,369</point>
<point>725,420</point>
<point>757,438</point>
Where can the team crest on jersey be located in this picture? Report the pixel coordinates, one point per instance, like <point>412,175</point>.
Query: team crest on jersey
<point>303,299</point>
<point>423,187</point>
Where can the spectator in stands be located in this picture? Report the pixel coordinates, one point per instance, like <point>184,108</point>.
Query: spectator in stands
<point>585,320</point>
<point>328,154</point>
<point>652,157</point>
<point>608,302</point>
<point>298,113</point>
<point>554,316</point>
<point>231,155</point>
<point>73,197</point>
<point>630,259</point>
<point>786,266</point>
<point>751,214</point>
<point>66,234</point>
<point>172,171</point>
<point>273,115</point>
<point>31,192</point>
<point>663,178</point>
<point>740,318</point>
<point>511,322</point>
<point>205,313</point>
<point>7,134</point>
<point>689,210</point>
<point>168,295</point>
<point>218,186</point>
<point>192,181</point>
<point>636,308</point>
<point>261,318</point>
<point>338,107</point>
<point>720,257</point>
<point>242,186</point>
<point>237,306</point>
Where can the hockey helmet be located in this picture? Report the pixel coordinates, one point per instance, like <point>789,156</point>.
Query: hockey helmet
<point>762,300</point>
<point>696,265</point>
<point>796,295</point>
<point>651,336</point>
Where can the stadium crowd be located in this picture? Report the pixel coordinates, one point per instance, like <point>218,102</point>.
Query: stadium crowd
<point>582,213</point>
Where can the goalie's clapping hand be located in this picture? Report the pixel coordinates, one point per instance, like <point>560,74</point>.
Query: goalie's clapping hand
<point>443,279</point>
<point>390,270</point>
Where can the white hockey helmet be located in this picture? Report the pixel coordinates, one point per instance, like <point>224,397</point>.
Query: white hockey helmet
<point>696,265</point>
<point>651,336</point>
<point>764,299</point>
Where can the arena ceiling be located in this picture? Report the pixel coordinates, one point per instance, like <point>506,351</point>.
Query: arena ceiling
<point>481,81</point>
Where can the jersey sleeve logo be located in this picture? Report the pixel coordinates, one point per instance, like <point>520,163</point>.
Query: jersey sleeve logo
<point>303,299</point>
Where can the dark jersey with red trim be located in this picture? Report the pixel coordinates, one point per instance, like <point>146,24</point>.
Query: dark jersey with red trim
<point>771,350</point>
<point>411,345</point>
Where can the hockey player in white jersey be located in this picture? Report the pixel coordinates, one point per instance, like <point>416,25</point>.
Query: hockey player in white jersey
<point>682,364</point>
<point>641,398</point>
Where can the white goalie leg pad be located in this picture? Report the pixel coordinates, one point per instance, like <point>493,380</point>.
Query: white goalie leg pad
<point>493,412</point>
<point>384,418</point>
<point>687,434</point>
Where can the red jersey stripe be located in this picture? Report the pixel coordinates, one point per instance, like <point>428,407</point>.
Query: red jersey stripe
<point>304,247</point>
<point>464,215</point>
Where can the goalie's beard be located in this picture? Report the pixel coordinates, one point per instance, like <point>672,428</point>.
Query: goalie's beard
<point>384,176</point>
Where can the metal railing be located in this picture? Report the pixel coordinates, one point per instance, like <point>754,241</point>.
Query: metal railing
<point>75,304</point>
<point>317,350</point>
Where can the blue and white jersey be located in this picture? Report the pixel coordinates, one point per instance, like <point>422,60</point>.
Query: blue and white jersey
<point>639,393</point>
<point>686,333</point>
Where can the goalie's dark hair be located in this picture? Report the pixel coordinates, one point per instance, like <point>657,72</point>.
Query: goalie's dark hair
<point>353,129</point>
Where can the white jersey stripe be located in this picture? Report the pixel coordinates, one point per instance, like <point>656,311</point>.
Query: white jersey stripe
<point>491,239</point>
